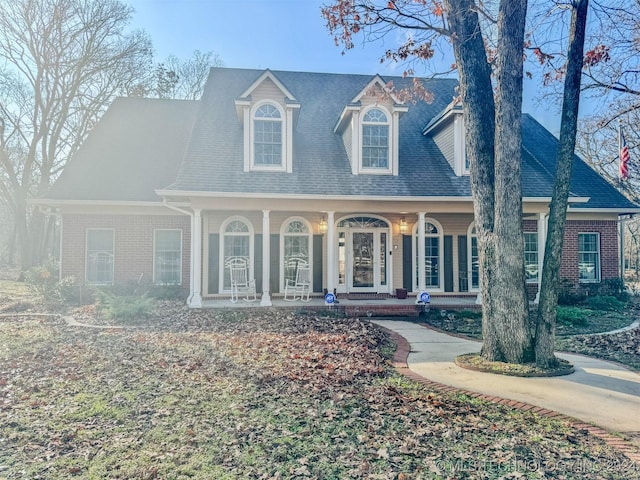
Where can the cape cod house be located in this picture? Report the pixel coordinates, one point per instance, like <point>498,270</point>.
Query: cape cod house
<point>271,166</point>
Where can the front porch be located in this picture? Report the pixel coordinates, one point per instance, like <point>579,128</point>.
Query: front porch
<point>355,305</point>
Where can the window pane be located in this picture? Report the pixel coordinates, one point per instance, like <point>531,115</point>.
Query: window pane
<point>531,257</point>
<point>589,257</point>
<point>375,146</point>
<point>99,256</point>
<point>168,257</point>
<point>267,142</point>
<point>296,248</point>
<point>475,262</point>
<point>235,246</point>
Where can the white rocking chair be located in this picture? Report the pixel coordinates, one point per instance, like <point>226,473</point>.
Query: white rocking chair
<point>240,283</point>
<point>300,288</point>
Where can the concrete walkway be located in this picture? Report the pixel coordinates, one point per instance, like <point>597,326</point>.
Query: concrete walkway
<point>599,392</point>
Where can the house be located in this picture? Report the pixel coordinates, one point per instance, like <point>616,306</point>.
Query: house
<point>275,166</point>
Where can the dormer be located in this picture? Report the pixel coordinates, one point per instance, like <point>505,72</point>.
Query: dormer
<point>267,111</point>
<point>447,130</point>
<point>370,129</point>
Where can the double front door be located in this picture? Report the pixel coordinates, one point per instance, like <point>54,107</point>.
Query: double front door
<point>363,260</point>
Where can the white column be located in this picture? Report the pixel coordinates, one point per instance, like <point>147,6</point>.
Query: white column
<point>422,283</point>
<point>331,252</point>
<point>542,242</point>
<point>195,298</point>
<point>265,301</point>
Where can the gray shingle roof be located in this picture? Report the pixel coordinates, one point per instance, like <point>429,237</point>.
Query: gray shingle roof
<point>142,145</point>
<point>135,148</point>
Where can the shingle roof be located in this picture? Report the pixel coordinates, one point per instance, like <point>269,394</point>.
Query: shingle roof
<point>142,145</point>
<point>135,148</point>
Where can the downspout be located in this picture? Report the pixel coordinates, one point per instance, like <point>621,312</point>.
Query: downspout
<point>195,298</point>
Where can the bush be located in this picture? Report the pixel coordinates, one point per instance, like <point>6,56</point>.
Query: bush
<point>572,315</point>
<point>605,302</point>
<point>125,307</point>
<point>72,291</point>
<point>43,278</point>
<point>570,294</point>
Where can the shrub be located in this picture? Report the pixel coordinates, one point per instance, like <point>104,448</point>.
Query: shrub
<point>125,307</point>
<point>570,294</point>
<point>72,291</point>
<point>43,278</point>
<point>604,302</point>
<point>614,287</point>
<point>572,315</point>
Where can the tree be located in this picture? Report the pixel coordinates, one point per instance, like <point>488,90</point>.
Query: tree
<point>62,61</point>
<point>485,43</point>
<point>551,282</point>
<point>180,79</point>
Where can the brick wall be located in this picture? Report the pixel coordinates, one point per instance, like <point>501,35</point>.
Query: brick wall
<point>133,244</point>
<point>608,230</point>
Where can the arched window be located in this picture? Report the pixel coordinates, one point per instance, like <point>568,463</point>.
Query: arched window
<point>473,264</point>
<point>432,254</point>
<point>237,243</point>
<point>267,136</point>
<point>375,139</point>
<point>295,247</point>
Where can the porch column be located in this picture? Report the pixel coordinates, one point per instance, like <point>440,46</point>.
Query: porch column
<point>265,301</point>
<point>195,297</point>
<point>422,283</point>
<point>542,242</point>
<point>331,252</point>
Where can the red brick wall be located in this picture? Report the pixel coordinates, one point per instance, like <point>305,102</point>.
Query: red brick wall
<point>133,244</point>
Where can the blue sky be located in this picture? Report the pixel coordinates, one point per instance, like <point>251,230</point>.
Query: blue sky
<point>275,34</point>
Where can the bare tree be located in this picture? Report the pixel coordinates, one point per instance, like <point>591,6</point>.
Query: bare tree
<point>61,63</point>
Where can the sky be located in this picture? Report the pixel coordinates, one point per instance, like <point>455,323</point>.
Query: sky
<point>274,34</point>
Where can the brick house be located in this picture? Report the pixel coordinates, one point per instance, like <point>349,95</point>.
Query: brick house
<point>268,166</point>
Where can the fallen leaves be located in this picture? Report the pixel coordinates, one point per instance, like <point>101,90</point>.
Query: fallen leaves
<point>203,394</point>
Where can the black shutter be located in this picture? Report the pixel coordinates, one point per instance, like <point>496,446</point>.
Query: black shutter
<point>463,275</point>
<point>317,263</point>
<point>214,263</point>
<point>407,263</point>
<point>257,261</point>
<point>448,263</point>
<point>274,247</point>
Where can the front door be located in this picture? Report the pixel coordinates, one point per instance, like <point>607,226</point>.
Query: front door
<point>363,260</point>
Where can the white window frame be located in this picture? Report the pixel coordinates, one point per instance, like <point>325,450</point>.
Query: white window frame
<point>155,232</point>
<point>283,233</point>
<point>282,167</point>
<point>223,234</point>
<point>414,263</point>
<point>470,236</point>
<point>113,255</point>
<point>389,125</point>
<point>598,265</point>
<point>537,254</point>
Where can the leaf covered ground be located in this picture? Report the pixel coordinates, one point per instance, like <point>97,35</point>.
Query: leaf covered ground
<point>242,395</point>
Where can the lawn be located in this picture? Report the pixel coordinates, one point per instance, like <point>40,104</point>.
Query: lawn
<point>237,395</point>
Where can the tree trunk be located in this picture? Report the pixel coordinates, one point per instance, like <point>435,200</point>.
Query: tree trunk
<point>511,312</point>
<point>546,318</point>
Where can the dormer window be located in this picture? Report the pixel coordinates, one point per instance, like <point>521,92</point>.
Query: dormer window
<point>375,140</point>
<point>267,136</point>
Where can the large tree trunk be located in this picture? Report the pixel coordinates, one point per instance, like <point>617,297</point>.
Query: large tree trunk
<point>494,156</point>
<point>546,321</point>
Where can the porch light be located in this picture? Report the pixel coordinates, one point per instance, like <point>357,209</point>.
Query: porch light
<point>403,225</point>
<point>323,225</point>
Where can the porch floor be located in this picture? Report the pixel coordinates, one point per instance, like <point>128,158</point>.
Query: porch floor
<point>375,306</point>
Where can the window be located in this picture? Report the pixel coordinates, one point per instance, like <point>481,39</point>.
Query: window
<point>589,257</point>
<point>267,136</point>
<point>474,259</point>
<point>296,240</point>
<point>99,259</point>
<point>531,264</point>
<point>237,243</point>
<point>432,243</point>
<point>375,140</point>
<point>167,257</point>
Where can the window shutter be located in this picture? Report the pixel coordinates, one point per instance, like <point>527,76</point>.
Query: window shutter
<point>448,263</point>
<point>317,263</point>
<point>257,261</point>
<point>214,263</point>
<point>407,263</point>
<point>463,275</point>
<point>274,247</point>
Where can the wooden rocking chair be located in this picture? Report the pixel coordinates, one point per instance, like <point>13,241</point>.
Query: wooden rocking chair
<point>241,285</point>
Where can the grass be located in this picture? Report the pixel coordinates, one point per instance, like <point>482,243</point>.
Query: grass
<point>200,396</point>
